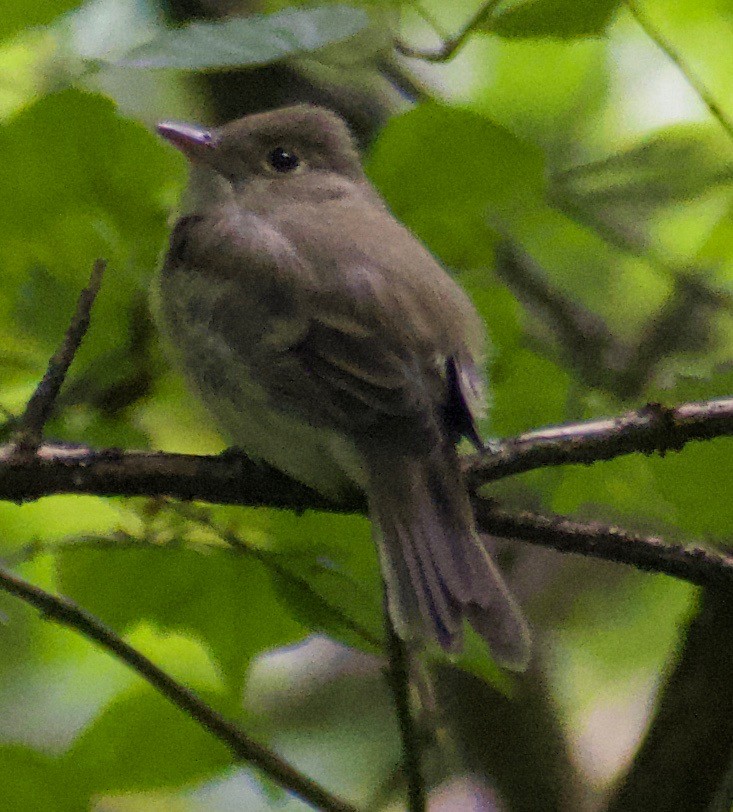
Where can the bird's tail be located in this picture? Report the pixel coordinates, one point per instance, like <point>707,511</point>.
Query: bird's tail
<point>435,567</point>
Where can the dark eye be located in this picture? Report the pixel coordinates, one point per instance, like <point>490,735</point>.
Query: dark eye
<point>283,161</point>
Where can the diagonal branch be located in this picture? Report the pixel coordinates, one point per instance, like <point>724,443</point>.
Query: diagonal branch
<point>242,746</point>
<point>39,407</point>
<point>675,56</point>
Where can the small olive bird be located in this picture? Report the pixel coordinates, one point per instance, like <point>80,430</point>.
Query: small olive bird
<point>326,340</point>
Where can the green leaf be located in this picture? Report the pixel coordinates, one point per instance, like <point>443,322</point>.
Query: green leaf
<point>449,158</point>
<point>84,183</point>
<point>33,781</point>
<point>19,14</point>
<point>254,40</point>
<point>41,286</point>
<point>142,741</point>
<point>548,90</point>
<point>328,575</point>
<point>675,164</point>
<point>563,19</point>
<point>626,483</point>
<point>328,600</point>
<point>226,601</point>
<point>475,659</point>
<point>614,633</point>
<point>694,484</point>
<point>528,391</point>
<point>449,174</point>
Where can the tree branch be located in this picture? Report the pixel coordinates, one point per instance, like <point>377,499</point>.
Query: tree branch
<point>584,336</point>
<point>623,368</point>
<point>692,563</point>
<point>227,478</point>
<point>686,752</point>
<point>39,407</point>
<point>234,479</point>
<point>242,746</point>
<point>651,429</point>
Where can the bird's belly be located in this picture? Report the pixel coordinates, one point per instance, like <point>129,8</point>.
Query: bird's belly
<point>318,457</point>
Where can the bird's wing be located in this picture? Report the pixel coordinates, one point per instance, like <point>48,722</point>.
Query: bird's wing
<point>362,350</point>
<point>339,371</point>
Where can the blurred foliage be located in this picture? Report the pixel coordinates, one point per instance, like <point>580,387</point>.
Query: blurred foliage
<point>558,125</point>
<point>251,41</point>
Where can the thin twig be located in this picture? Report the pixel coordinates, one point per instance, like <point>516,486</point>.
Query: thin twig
<point>450,46</point>
<point>242,746</point>
<point>602,360</point>
<point>698,565</point>
<point>39,407</point>
<point>692,79</point>
<point>398,676</point>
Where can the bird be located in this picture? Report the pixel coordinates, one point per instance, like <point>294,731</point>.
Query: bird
<point>326,340</point>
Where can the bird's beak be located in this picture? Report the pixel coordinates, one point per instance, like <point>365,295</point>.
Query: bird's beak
<point>196,143</point>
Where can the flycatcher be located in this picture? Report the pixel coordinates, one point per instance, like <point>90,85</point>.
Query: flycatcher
<point>326,340</point>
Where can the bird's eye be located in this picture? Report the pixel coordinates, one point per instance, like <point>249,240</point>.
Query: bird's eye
<point>281,160</point>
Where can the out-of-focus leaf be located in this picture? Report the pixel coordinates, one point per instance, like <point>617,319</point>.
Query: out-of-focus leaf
<point>19,14</point>
<point>84,183</point>
<point>564,19</point>
<point>475,659</point>
<point>105,29</point>
<point>626,483</point>
<point>32,781</point>
<point>451,158</point>
<point>224,600</point>
<point>254,40</point>
<point>695,483</point>
<point>329,601</point>
<point>141,741</point>
<point>57,518</point>
<point>329,574</point>
<point>43,304</point>
<point>580,265</point>
<point>675,164</point>
<point>629,628</point>
<point>545,89</point>
<point>527,391</point>
<point>499,309</point>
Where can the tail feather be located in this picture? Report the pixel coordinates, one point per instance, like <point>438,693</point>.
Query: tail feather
<point>436,569</point>
<point>443,606</point>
